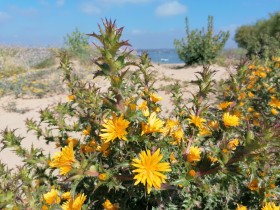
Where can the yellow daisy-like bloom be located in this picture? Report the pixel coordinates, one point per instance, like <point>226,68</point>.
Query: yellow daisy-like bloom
<point>197,121</point>
<point>241,207</point>
<point>52,197</point>
<point>242,96</point>
<point>224,105</point>
<point>204,131</point>
<point>251,95</point>
<point>66,195</point>
<point>270,206</point>
<point>253,185</point>
<point>154,125</point>
<point>107,205</point>
<point>73,140</point>
<point>233,144</point>
<point>102,176</point>
<point>63,159</point>
<point>170,126</point>
<point>155,98</point>
<point>230,120</point>
<point>172,158</point>
<point>45,207</point>
<point>86,131</point>
<point>74,204</point>
<point>194,154</point>
<point>148,169</point>
<point>178,135</point>
<point>104,148</point>
<point>145,110</point>
<point>71,97</point>
<point>192,173</point>
<point>132,107</point>
<point>114,128</point>
<point>212,159</point>
<point>274,102</point>
<point>214,125</point>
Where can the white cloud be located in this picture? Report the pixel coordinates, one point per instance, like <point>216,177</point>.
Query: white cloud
<point>89,8</point>
<point>4,16</point>
<point>137,32</point>
<point>170,9</point>
<point>60,3</point>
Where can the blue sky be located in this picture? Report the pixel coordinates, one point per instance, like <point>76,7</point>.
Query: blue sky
<point>148,23</point>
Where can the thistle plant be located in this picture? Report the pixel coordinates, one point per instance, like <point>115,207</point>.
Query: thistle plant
<point>117,150</point>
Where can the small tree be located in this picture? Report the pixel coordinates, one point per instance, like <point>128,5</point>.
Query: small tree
<point>77,43</point>
<point>200,47</point>
<point>261,39</point>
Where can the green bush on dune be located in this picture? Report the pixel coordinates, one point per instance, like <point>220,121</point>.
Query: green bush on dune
<point>261,39</point>
<point>200,46</point>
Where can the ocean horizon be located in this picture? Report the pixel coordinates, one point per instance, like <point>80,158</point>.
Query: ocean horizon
<point>168,56</point>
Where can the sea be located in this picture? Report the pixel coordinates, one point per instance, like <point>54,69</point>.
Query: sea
<point>161,56</point>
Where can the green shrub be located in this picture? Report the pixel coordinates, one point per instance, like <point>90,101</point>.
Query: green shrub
<point>77,43</point>
<point>261,39</point>
<point>200,46</point>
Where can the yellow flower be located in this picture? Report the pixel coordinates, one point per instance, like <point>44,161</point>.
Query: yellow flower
<point>145,110</point>
<point>233,144</point>
<point>256,122</point>
<point>71,97</point>
<point>224,105</point>
<point>197,121</point>
<point>86,131</point>
<point>104,148</point>
<point>253,185</point>
<point>52,197</point>
<point>241,207</point>
<point>274,102</point>
<point>155,98</point>
<point>102,176</point>
<point>154,125</point>
<point>194,154</point>
<point>107,205</point>
<point>192,173</point>
<point>178,135</point>
<point>74,204</point>
<point>170,126</point>
<point>271,90</point>
<point>230,120</point>
<point>73,140</point>
<point>242,96</point>
<point>250,109</point>
<point>251,95</point>
<point>172,158</point>
<point>270,206</point>
<point>148,169</point>
<point>204,131</point>
<point>87,149</point>
<point>132,107</point>
<point>66,195</point>
<point>214,125</point>
<point>212,159</point>
<point>64,159</point>
<point>256,114</point>
<point>114,128</point>
<point>44,207</point>
<point>225,150</point>
<point>157,109</point>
